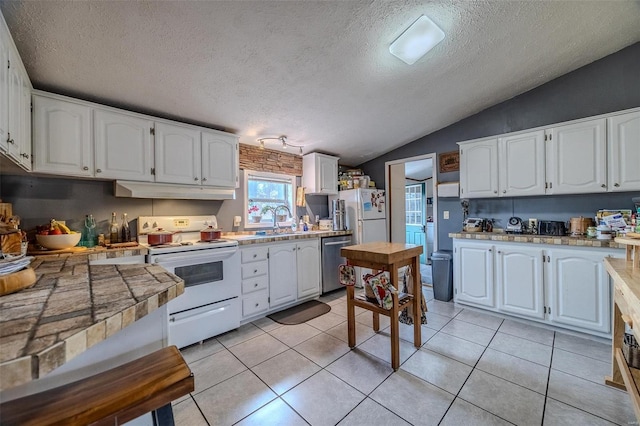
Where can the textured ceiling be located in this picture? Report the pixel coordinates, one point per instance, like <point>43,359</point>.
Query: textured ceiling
<point>317,71</point>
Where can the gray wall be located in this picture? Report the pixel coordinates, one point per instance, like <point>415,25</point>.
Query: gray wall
<point>607,85</point>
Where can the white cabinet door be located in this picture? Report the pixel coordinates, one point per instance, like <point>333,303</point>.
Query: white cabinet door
<point>219,160</point>
<point>577,158</point>
<point>62,137</point>
<point>4,91</point>
<point>473,273</point>
<point>624,152</point>
<point>479,169</point>
<point>177,154</point>
<point>521,160</point>
<point>519,277</point>
<point>283,275</point>
<point>578,287</point>
<point>25,122</point>
<point>14,130</point>
<point>122,146</point>
<point>320,173</point>
<point>308,264</point>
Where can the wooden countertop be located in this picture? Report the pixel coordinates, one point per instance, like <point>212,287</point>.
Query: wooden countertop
<point>626,280</point>
<point>72,307</point>
<point>381,252</point>
<point>536,239</point>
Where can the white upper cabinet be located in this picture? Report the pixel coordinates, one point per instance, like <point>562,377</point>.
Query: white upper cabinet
<point>25,122</point>
<point>220,159</point>
<point>177,154</point>
<point>577,158</point>
<point>4,91</point>
<point>123,148</point>
<point>62,137</point>
<point>522,164</point>
<point>320,173</point>
<point>624,152</point>
<point>479,169</point>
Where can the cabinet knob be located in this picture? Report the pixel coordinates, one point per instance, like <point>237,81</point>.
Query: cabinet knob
<point>616,185</point>
<point>495,192</point>
<point>255,271</point>
<point>255,255</point>
<point>98,170</point>
<point>204,179</point>
<point>25,155</point>
<point>603,186</point>
<point>499,252</point>
<point>195,178</point>
<point>504,191</point>
<point>489,250</point>
<point>257,304</point>
<point>255,285</point>
<point>85,168</point>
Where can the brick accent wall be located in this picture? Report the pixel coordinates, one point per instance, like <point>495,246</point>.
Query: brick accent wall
<point>269,160</point>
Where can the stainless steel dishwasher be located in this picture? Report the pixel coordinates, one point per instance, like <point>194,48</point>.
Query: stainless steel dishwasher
<point>331,259</point>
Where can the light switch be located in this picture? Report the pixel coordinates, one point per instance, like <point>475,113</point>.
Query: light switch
<point>237,220</point>
<point>445,214</point>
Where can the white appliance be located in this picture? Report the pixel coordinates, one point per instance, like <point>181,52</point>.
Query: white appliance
<point>366,217</point>
<point>210,304</point>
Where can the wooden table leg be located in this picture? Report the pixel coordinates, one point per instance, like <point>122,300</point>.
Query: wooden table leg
<point>417,303</point>
<point>615,379</point>
<point>395,333</point>
<point>351,317</point>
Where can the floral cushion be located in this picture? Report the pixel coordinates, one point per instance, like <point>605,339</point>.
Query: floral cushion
<point>382,289</point>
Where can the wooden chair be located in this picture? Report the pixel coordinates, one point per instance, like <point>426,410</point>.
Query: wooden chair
<point>112,397</point>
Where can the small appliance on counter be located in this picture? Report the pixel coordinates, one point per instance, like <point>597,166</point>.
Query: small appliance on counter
<point>514,226</point>
<point>579,225</point>
<point>339,215</point>
<point>552,227</point>
<point>473,224</point>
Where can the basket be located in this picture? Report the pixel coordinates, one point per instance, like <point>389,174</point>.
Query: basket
<point>369,294</point>
<point>631,350</point>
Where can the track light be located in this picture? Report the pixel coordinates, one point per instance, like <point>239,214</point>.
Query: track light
<point>283,140</point>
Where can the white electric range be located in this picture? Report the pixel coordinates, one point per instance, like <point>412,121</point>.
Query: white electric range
<point>210,304</point>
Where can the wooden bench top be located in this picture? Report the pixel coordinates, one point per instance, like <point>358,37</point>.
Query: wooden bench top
<point>112,397</point>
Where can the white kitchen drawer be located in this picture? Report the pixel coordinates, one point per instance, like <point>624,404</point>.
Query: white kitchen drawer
<point>255,303</point>
<point>254,254</point>
<point>255,269</point>
<point>254,284</point>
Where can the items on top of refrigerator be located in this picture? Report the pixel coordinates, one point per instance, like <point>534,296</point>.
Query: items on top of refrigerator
<point>353,179</point>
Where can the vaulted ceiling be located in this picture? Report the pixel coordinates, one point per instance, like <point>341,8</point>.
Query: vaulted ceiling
<point>319,72</point>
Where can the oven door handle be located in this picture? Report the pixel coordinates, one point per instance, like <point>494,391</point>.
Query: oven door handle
<point>212,255</point>
<point>177,318</point>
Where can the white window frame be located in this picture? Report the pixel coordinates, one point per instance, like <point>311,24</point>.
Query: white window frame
<point>414,202</point>
<point>267,175</point>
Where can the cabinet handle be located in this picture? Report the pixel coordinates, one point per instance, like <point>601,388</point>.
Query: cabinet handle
<point>204,179</point>
<point>495,192</point>
<point>255,271</point>
<point>10,141</point>
<point>98,170</point>
<point>85,168</point>
<point>489,250</point>
<point>195,178</point>
<point>616,185</point>
<point>255,255</point>
<point>255,285</point>
<point>257,304</point>
<point>603,186</point>
<point>499,252</point>
<point>24,155</point>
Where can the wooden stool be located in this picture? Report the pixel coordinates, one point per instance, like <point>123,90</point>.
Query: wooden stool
<point>387,257</point>
<point>112,397</point>
<point>633,248</point>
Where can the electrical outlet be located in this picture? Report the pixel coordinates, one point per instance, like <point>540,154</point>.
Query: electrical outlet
<point>533,223</point>
<point>445,214</point>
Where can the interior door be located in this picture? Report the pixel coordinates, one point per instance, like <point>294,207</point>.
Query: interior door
<point>415,217</point>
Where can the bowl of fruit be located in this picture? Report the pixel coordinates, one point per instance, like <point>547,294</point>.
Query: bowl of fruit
<point>57,236</point>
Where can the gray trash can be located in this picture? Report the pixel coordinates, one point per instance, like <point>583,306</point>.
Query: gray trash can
<point>442,270</point>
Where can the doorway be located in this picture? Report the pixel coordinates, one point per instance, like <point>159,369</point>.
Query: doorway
<point>412,207</point>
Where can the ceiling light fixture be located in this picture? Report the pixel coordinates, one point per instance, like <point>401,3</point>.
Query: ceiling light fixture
<point>416,40</point>
<point>283,140</point>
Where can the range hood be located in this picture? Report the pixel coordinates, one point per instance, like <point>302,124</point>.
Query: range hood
<point>131,189</point>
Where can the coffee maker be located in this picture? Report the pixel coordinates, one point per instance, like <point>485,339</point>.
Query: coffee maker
<point>339,215</point>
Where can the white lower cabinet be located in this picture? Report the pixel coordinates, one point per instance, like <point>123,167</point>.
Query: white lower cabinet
<point>275,275</point>
<point>473,273</point>
<point>579,291</point>
<point>566,287</point>
<point>519,280</point>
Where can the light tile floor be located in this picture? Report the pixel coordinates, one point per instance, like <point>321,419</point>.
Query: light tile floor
<point>472,369</point>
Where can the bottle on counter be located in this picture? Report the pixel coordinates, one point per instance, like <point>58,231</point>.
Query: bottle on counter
<point>89,234</point>
<point>125,232</point>
<point>294,225</point>
<point>114,229</point>
<point>300,224</point>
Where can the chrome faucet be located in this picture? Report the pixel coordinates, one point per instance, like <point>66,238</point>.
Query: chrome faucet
<point>274,211</point>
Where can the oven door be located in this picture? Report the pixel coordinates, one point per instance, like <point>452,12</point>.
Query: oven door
<point>210,276</point>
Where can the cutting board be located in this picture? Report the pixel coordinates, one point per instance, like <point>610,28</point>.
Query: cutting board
<point>37,252</point>
<point>17,281</point>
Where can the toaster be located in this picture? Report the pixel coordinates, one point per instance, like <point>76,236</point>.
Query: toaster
<point>551,227</point>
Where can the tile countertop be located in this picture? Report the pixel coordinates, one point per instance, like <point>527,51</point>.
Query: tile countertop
<point>245,239</point>
<point>72,307</point>
<point>536,239</point>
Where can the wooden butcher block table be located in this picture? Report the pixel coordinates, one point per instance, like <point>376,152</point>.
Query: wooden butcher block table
<point>388,257</point>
